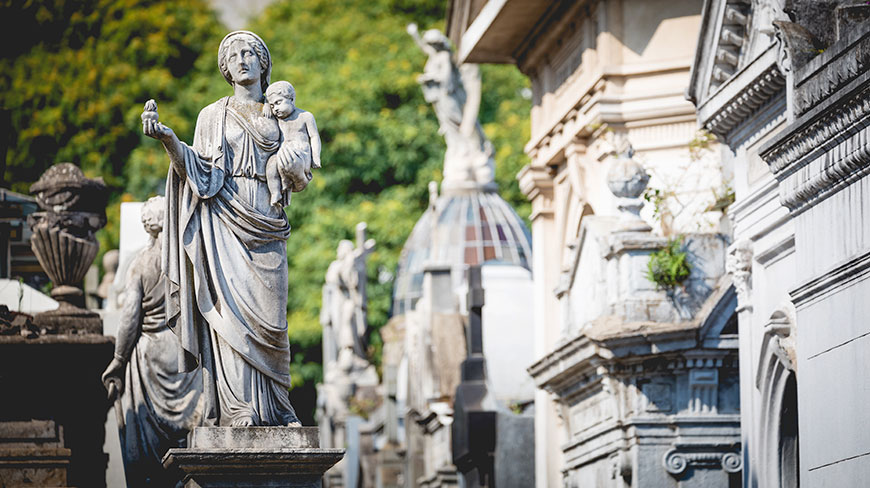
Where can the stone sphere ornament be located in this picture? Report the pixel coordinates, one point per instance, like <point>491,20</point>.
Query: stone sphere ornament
<point>627,180</point>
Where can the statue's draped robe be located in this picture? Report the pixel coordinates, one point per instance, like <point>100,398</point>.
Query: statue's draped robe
<point>159,404</point>
<point>226,264</point>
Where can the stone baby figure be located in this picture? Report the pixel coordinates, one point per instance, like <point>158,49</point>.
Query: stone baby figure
<point>289,169</point>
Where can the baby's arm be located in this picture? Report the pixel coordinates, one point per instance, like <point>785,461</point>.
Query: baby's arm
<point>314,136</point>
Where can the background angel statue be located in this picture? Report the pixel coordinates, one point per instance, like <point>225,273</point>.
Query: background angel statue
<point>454,93</point>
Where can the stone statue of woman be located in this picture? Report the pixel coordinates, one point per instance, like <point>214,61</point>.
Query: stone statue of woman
<point>224,254</point>
<point>454,93</point>
<point>157,405</point>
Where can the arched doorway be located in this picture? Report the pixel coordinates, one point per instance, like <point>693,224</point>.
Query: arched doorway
<point>777,457</point>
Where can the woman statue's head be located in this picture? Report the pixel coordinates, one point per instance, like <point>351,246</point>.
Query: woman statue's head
<point>244,39</point>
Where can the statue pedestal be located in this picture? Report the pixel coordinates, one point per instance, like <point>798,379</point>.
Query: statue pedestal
<point>252,457</point>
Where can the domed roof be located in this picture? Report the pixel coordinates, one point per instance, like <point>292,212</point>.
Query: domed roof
<point>461,228</point>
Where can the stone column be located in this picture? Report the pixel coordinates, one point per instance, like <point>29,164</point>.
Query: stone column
<point>536,183</point>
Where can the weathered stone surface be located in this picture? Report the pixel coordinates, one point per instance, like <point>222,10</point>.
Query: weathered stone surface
<point>289,169</point>
<point>252,457</point>
<point>156,404</point>
<point>16,323</point>
<point>254,437</point>
<point>219,180</point>
<point>514,457</point>
<point>73,209</point>
<point>32,454</point>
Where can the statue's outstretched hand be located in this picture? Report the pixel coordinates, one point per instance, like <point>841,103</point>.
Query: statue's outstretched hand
<point>113,378</point>
<point>151,125</point>
<point>412,29</point>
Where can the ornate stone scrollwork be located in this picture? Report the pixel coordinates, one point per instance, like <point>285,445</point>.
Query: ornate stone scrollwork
<point>678,459</point>
<point>675,462</point>
<point>732,462</point>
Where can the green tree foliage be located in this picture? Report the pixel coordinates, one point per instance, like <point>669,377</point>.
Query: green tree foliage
<point>74,77</point>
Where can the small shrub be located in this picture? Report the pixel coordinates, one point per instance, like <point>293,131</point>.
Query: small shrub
<point>669,266</point>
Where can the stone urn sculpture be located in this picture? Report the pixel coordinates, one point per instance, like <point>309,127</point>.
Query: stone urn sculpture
<point>627,180</point>
<point>73,209</point>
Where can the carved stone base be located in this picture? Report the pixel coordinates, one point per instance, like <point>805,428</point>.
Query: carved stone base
<point>32,453</point>
<point>252,457</point>
<point>69,319</point>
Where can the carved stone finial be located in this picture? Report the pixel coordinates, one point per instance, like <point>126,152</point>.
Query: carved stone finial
<point>627,180</point>
<point>739,265</point>
<point>73,209</point>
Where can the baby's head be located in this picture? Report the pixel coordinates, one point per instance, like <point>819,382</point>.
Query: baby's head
<point>281,98</point>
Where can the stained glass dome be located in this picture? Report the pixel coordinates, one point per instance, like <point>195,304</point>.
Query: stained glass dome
<point>462,228</point>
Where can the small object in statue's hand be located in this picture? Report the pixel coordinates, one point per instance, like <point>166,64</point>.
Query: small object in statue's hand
<point>150,112</point>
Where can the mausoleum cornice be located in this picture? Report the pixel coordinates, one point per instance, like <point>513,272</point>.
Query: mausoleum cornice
<point>738,98</point>
<point>826,148</point>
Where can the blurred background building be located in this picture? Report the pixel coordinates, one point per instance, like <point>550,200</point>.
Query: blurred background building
<point>638,380</point>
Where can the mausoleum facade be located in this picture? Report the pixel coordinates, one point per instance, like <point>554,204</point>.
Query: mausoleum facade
<point>783,84</point>
<point>637,378</point>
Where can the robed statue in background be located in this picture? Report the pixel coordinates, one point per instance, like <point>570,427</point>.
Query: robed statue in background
<point>345,306</point>
<point>225,252</point>
<point>155,404</point>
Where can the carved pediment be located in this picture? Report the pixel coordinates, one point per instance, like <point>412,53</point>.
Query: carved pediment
<point>734,33</point>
